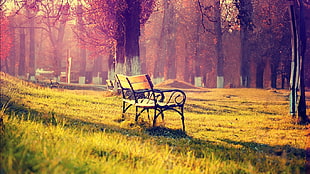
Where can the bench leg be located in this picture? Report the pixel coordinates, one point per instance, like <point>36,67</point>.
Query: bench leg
<point>183,124</point>
<point>137,115</point>
<point>148,114</point>
<point>125,108</point>
<point>155,117</point>
<point>182,118</point>
<point>161,112</point>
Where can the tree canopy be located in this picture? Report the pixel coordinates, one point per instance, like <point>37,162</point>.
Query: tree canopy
<point>103,23</point>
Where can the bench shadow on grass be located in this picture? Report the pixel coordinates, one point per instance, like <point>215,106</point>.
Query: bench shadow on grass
<point>166,132</point>
<point>52,118</point>
<point>158,131</point>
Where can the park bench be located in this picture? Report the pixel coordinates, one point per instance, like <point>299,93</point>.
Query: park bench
<point>138,91</point>
<point>110,85</point>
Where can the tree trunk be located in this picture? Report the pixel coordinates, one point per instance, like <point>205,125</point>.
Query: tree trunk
<point>120,54</point>
<point>302,107</point>
<point>197,61</point>
<point>57,62</point>
<point>274,78</point>
<point>111,66</point>
<point>245,79</point>
<point>293,85</point>
<point>22,55</point>
<point>161,54</point>
<point>260,66</point>
<point>132,33</point>
<point>219,45</point>
<point>56,39</point>
<point>12,55</point>
<point>170,66</point>
<point>82,72</point>
<point>97,70</point>
<point>246,25</point>
<point>6,64</point>
<point>165,63</point>
<point>143,53</point>
<point>170,47</point>
<point>31,64</point>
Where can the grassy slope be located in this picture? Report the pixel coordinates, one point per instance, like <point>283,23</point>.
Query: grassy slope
<point>228,130</point>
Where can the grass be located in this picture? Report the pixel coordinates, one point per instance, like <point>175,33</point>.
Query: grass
<point>227,131</point>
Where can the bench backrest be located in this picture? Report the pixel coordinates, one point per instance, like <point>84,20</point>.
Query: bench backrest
<point>131,84</point>
<point>110,85</point>
<point>122,81</point>
<point>140,82</point>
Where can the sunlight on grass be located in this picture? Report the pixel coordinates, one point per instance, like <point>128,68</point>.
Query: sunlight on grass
<point>227,131</point>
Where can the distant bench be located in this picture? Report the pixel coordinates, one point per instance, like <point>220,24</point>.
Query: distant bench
<point>139,91</point>
<point>110,85</point>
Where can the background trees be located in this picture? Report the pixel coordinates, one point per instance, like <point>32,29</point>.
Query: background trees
<point>113,27</point>
<point>30,16</point>
<point>218,43</point>
<point>206,43</point>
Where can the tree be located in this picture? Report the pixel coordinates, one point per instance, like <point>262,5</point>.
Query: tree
<point>31,64</point>
<point>245,17</point>
<point>299,44</point>
<point>213,14</point>
<point>165,64</point>
<point>5,41</point>
<point>82,71</point>
<point>269,43</point>
<point>22,53</point>
<point>113,27</point>
<point>52,17</point>
<point>221,15</point>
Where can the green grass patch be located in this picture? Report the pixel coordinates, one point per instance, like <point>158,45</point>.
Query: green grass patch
<point>227,131</point>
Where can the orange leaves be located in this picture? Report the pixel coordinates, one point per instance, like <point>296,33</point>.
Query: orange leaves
<point>147,7</point>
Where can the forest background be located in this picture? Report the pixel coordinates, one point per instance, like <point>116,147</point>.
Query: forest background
<point>196,41</point>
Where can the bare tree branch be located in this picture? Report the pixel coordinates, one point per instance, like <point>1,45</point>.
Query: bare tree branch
<point>202,10</point>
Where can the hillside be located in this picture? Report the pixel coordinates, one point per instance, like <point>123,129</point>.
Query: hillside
<point>174,83</point>
<point>80,131</point>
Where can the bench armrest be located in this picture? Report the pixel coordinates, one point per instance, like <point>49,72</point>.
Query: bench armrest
<point>172,96</point>
<point>164,97</point>
<point>149,94</point>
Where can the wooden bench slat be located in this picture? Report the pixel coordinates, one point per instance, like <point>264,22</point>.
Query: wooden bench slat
<point>123,81</point>
<point>141,86</point>
<point>138,79</point>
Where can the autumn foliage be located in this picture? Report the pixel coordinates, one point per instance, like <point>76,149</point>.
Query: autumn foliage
<point>5,37</point>
<point>101,23</point>
<point>175,39</point>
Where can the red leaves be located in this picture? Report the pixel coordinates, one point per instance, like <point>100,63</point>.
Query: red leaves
<point>5,37</point>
